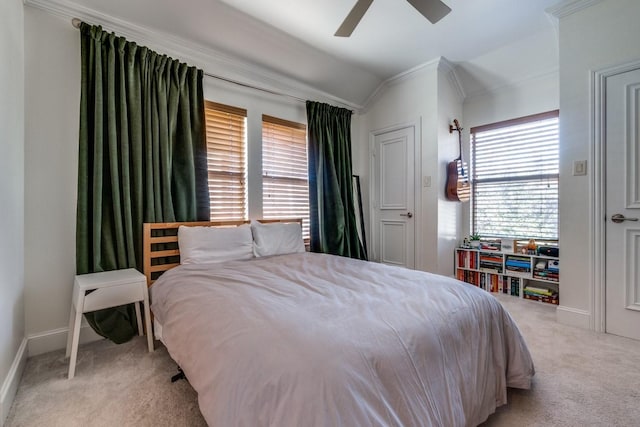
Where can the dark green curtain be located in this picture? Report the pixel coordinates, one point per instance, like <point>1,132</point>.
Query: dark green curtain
<point>332,210</point>
<point>142,157</point>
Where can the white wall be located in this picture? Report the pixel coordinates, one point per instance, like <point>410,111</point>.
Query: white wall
<point>52,97</point>
<point>11,196</point>
<point>449,213</point>
<point>510,65</point>
<point>601,36</point>
<point>52,74</point>
<point>422,96</point>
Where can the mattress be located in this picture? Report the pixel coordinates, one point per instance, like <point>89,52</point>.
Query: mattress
<point>319,340</point>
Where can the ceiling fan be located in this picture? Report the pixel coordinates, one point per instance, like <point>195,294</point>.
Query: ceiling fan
<point>433,10</point>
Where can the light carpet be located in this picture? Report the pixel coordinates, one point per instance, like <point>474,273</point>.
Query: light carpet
<point>582,378</point>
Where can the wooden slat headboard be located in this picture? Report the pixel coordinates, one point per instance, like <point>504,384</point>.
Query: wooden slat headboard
<point>160,243</point>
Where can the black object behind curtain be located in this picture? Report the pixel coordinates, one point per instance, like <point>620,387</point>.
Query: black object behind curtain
<point>142,157</point>
<point>332,213</point>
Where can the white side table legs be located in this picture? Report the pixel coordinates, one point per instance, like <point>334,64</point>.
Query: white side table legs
<point>96,291</point>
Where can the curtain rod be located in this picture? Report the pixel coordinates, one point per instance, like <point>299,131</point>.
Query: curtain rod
<point>272,92</point>
<point>76,23</point>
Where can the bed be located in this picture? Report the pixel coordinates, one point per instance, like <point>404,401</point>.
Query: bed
<point>305,339</point>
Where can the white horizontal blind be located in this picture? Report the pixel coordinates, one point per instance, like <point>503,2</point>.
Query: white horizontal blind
<point>226,160</point>
<point>285,181</point>
<point>515,178</point>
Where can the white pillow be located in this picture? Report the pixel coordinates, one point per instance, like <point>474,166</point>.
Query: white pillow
<point>277,238</point>
<point>199,245</point>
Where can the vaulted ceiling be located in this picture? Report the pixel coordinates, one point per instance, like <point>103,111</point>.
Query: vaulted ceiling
<point>491,42</point>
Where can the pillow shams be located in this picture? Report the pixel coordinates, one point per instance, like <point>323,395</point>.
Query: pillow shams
<point>199,245</point>
<point>277,238</point>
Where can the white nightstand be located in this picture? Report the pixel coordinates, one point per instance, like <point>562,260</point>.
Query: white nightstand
<point>108,289</point>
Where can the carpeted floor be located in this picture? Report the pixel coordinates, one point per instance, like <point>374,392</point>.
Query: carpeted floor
<point>583,379</point>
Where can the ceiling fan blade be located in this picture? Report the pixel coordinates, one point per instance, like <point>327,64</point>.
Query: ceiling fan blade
<point>353,18</point>
<point>433,10</point>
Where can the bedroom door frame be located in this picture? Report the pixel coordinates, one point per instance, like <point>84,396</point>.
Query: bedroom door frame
<point>416,125</point>
<point>599,181</point>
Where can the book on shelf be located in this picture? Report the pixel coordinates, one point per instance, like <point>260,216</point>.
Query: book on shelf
<point>538,291</point>
<point>467,259</point>
<point>491,263</point>
<point>470,277</point>
<point>502,288</point>
<point>518,257</point>
<point>546,275</point>
<point>515,286</point>
<point>550,299</point>
<point>518,263</point>
<point>520,272</point>
<point>494,282</point>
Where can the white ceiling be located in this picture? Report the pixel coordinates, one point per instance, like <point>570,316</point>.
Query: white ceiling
<point>393,36</point>
<point>295,38</point>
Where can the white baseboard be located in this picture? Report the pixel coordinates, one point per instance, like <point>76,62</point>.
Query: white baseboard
<point>573,317</point>
<point>44,342</point>
<point>10,383</point>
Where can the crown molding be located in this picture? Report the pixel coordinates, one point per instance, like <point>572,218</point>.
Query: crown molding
<point>431,65</point>
<point>400,77</point>
<point>202,56</point>
<point>448,67</point>
<point>438,64</point>
<point>375,95</point>
<point>569,7</point>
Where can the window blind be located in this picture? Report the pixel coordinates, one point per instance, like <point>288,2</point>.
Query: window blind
<point>515,171</point>
<point>226,161</point>
<point>285,182</point>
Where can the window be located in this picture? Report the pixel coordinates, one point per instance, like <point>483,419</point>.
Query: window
<point>226,160</point>
<point>515,178</point>
<point>285,182</point>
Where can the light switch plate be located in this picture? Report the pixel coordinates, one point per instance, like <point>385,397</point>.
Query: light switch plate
<point>579,167</point>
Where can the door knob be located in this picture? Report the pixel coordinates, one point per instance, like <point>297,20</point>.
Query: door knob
<point>618,218</point>
<point>408,215</point>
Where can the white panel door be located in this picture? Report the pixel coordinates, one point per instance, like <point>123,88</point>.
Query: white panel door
<point>623,204</point>
<point>394,201</point>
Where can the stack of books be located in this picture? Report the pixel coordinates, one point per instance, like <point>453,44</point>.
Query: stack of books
<point>546,275</point>
<point>518,264</point>
<point>490,263</point>
<point>547,271</point>
<point>541,294</point>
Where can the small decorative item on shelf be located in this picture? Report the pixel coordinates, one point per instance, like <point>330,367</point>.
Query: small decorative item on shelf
<point>549,251</point>
<point>507,245</point>
<point>465,243</point>
<point>474,241</point>
<point>490,245</point>
<point>532,248</point>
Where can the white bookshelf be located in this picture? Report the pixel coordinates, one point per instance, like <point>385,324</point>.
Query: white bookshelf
<point>529,276</point>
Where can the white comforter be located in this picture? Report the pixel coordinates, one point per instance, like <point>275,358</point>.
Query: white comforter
<point>319,340</point>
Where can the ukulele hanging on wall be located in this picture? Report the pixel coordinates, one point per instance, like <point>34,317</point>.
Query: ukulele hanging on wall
<point>458,186</point>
